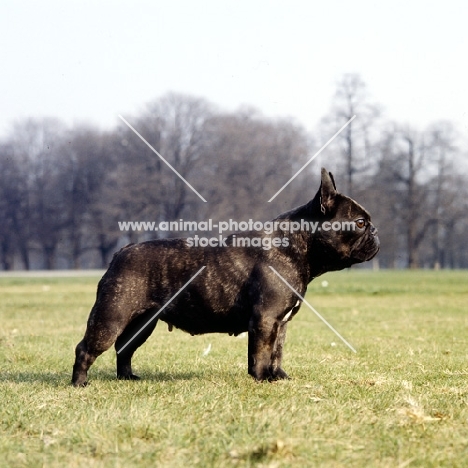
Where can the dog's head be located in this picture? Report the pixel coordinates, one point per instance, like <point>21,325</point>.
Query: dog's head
<point>344,232</point>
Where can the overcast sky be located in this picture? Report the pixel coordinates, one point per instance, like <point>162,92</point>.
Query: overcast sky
<point>90,61</point>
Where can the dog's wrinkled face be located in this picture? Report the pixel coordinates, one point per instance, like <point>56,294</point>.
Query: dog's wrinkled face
<point>358,234</point>
<point>351,237</point>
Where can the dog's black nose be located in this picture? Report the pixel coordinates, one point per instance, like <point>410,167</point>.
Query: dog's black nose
<point>373,230</point>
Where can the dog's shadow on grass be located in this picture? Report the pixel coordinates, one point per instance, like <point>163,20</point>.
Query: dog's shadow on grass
<point>60,379</point>
<point>170,376</point>
<point>53,379</point>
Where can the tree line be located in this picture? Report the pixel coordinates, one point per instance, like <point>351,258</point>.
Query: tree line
<point>64,190</point>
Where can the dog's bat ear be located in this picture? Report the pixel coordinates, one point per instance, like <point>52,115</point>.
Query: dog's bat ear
<point>324,198</point>
<point>328,182</point>
<point>327,190</point>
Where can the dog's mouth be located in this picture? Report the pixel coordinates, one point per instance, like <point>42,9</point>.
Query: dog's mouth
<point>376,251</point>
<point>369,250</point>
<point>374,248</point>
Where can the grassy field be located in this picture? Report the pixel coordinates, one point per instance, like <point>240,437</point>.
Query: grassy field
<point>401,401</point>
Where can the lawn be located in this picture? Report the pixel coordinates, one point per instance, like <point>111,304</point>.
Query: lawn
<point>400,401</point>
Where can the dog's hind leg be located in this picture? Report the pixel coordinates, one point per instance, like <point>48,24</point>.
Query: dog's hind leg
<point>97,339</point>
<point>133,336</point>
<point>83,361</point>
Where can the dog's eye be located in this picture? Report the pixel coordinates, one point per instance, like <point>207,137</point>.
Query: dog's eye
<point>360,223</point>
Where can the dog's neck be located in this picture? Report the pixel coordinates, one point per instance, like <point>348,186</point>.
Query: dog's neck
<point>313,255</point>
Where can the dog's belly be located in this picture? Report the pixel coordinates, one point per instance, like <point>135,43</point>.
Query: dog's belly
<point>198,320</point>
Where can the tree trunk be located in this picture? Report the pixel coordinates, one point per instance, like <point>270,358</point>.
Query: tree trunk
<point>49,257</point>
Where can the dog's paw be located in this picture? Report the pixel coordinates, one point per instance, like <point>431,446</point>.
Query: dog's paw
<point>279,374</point>
<point>261,375</point>
<point>128,377</point>
<point>79,384</point>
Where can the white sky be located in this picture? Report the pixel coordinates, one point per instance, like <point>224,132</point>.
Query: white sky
<point>89,61</point>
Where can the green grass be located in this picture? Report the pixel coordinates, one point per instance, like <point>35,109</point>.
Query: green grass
<point>402,400</point>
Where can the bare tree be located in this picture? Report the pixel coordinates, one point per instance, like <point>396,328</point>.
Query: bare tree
<point>248,159</point>
<point>12,197</point>
<point>445,184</point>
<point>358,140</point>
<point>174,126</point>
<point>87,158</point>
<point>36,146</point>
<point>408,173</point>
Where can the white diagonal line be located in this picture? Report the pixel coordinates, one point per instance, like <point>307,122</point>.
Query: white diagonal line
<point>162,159</point>
<point>161,309</point>
<point>313,310</point>
<point>312,158</point>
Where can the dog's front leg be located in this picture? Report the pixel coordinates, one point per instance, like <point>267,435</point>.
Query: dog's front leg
<point>263,334</point>
<point>277,372</point>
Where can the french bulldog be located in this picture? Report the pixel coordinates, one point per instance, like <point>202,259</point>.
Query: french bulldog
<point>236,292</point>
